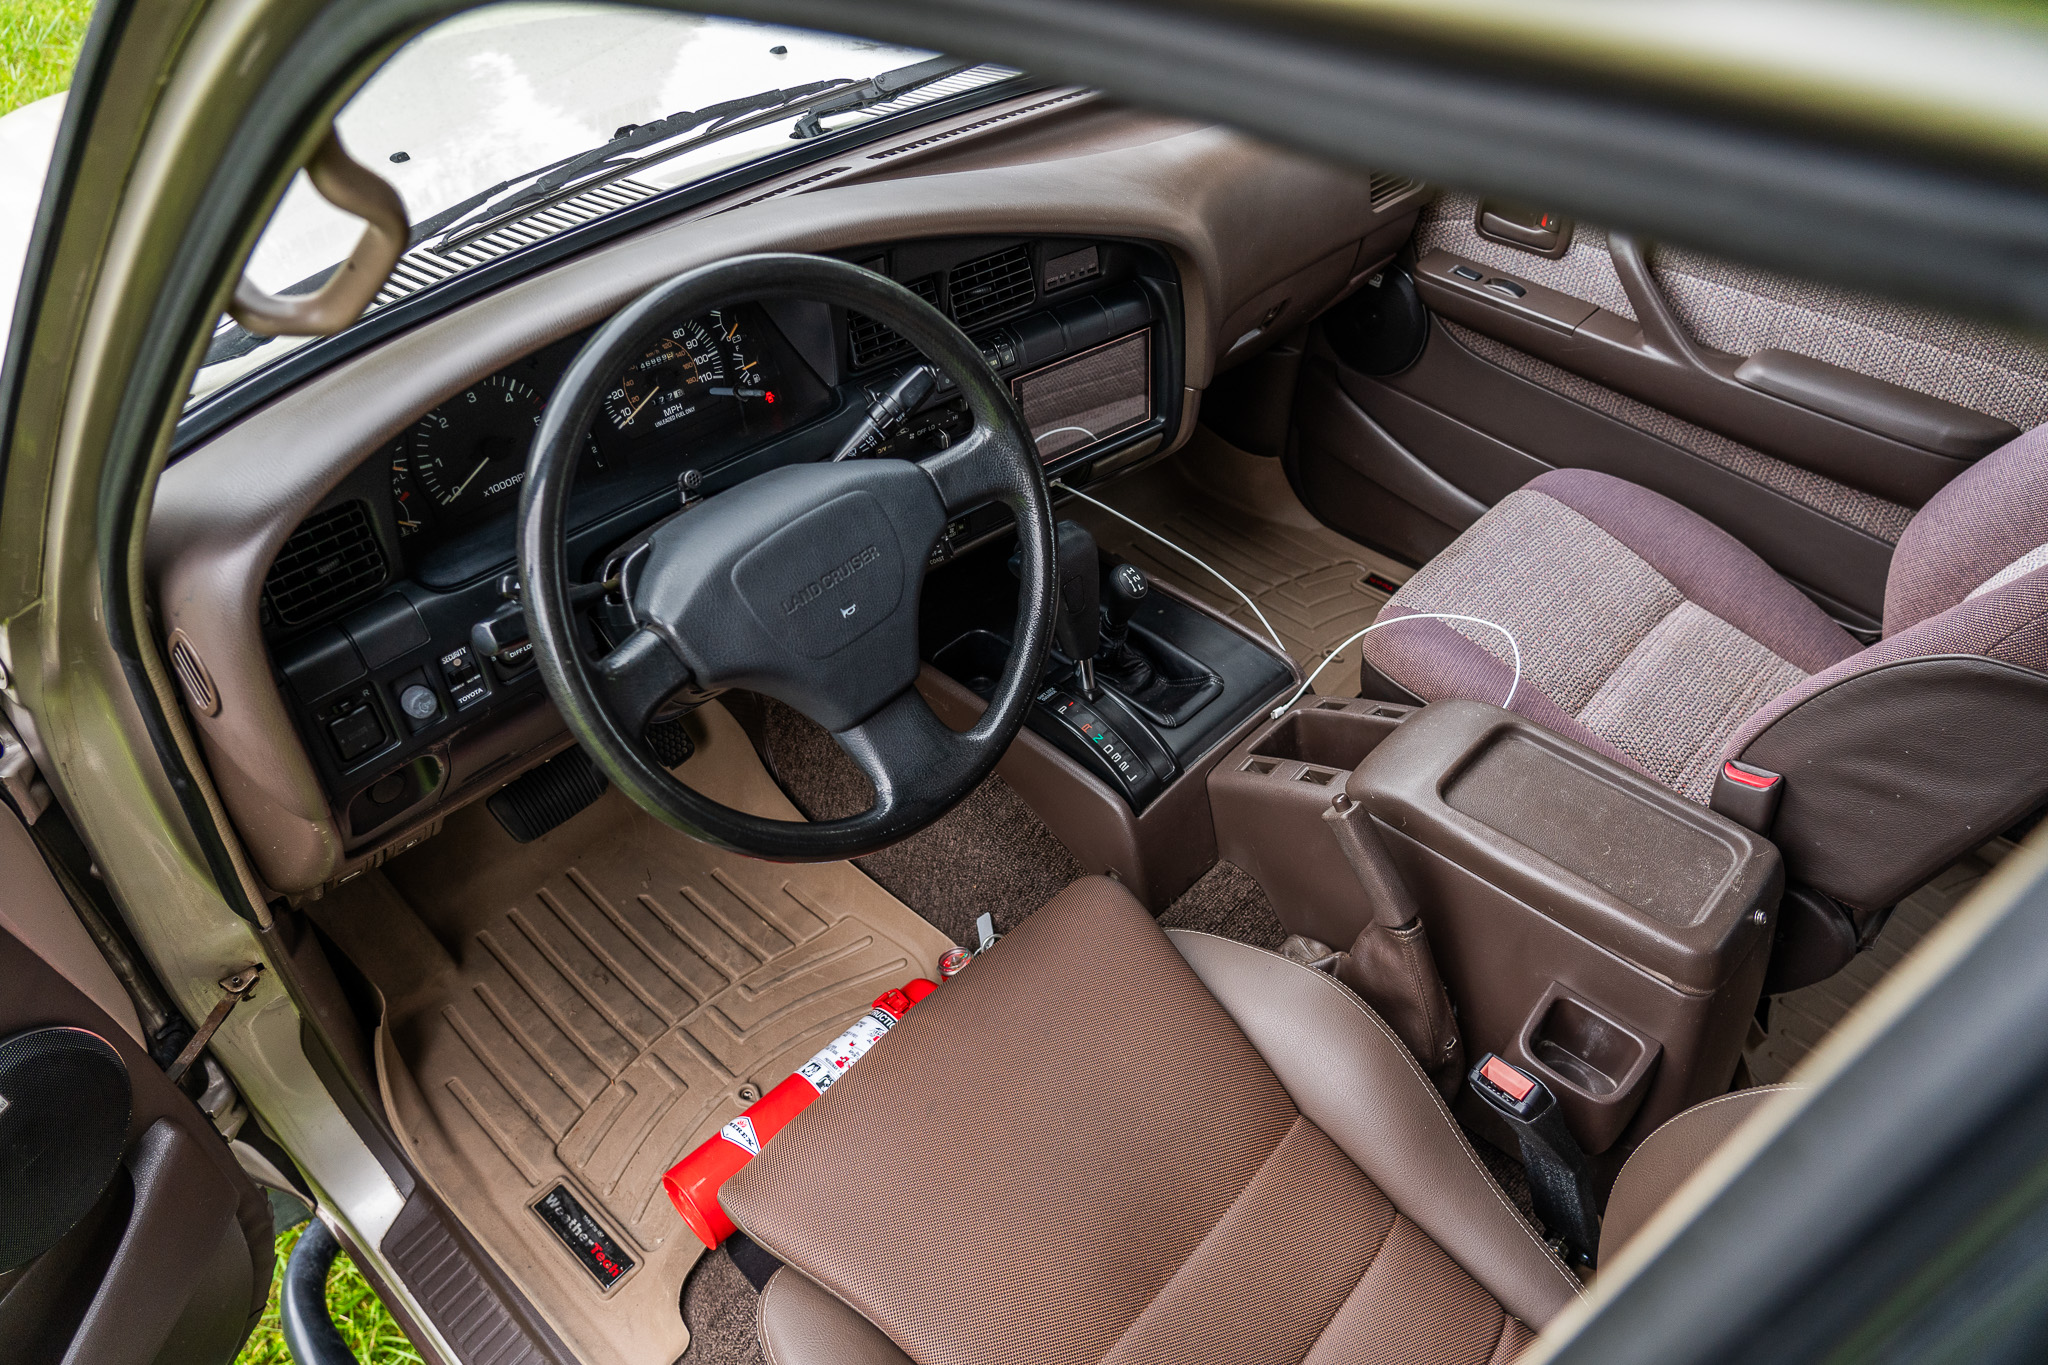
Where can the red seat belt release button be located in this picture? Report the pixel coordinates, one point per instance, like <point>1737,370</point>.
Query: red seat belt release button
<point>1747,794</point>
<point>1512,1082</point>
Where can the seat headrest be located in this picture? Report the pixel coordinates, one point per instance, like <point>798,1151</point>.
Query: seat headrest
<point>1989,520</point>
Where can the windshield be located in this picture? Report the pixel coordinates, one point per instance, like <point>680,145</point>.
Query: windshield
<point>520,108</point>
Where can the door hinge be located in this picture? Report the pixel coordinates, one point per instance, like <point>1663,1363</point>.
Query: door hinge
<point>18,775</point>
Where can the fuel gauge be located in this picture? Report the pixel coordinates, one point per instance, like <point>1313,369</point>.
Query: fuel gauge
<point>406,503</point>
<point>745,378</point>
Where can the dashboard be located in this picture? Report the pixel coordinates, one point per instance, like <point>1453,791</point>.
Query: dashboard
<point>391,612</point>
<point>321,559</point>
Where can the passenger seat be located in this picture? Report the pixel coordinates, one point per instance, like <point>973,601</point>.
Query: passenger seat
<point>1652,636</point>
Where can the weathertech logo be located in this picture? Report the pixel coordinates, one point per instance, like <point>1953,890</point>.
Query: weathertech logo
<point>829,580</point>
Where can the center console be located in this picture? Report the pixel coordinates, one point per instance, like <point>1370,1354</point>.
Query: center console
<point>1140,695</point>
<point>1593,928</point>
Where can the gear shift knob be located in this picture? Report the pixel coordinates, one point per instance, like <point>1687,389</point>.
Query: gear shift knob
<point>1078,627</point>
<point>1125,590</point>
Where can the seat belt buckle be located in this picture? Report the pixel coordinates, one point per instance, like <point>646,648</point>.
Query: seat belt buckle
<point>1747,794</point>
<point>1560,1178</point>
<point>1519,1097</point>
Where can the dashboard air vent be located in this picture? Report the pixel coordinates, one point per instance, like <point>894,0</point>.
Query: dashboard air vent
<point>986,289</point>
<point>331,561</point>
<point>1386,187</point>
<point>875,343</point>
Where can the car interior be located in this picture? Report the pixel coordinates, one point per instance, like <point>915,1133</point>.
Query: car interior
<point>1421,714</point>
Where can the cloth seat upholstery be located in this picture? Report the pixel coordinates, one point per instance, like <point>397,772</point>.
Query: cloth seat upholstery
<point>1654,637</point>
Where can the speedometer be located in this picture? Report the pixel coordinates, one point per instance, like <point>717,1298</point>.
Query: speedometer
<point>672,383</point>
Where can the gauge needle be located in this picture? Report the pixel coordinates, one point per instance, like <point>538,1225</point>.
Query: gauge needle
<point>466,482</point>
<point>636,410</point>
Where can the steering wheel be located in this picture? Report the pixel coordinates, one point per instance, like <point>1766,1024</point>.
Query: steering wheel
<point>800,584</point>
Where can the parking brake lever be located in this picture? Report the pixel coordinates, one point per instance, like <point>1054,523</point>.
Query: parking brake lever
<point>1390,964</point>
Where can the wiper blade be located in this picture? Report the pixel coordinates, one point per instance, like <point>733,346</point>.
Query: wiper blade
<point>616,159</point>
<point>877,90</point>
<point>543,180</point>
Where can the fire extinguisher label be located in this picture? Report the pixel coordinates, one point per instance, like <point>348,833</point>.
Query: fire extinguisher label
<point>849,1047</point>
<point>740,1133</point>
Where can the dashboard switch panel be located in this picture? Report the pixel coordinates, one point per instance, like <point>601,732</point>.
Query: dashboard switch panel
<point>464,678</point>
<point>354,726</point>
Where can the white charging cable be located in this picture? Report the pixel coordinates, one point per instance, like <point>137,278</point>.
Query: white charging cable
<point>1513,683</point>
<point>1271,633</point>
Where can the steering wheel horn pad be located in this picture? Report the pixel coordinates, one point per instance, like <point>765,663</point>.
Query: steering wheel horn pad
<point>801,583</point>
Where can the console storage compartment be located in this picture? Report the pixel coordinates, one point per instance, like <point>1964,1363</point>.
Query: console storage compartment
<point>1591,926</point>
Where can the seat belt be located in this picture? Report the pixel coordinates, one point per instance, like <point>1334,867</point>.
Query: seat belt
<point>1560,1178</point>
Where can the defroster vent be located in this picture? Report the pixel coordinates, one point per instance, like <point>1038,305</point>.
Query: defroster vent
<point>986,289</point>
<point>876,343</point>
<point>331,561</point>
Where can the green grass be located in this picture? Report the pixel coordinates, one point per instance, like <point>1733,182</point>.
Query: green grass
<point>362,1321</point>
<point>38,47</point>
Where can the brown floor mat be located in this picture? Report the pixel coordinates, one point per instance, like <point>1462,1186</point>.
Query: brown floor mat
<point>1801,1019</point>
<point>585,1009</point>
<point>1237,512</point>
<point>1227,901</point>
<point>988,854</point>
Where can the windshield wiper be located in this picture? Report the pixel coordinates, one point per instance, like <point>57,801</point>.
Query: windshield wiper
<point>558,181</point>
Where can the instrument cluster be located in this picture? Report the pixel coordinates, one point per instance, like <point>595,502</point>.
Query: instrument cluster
<point>706,389</point>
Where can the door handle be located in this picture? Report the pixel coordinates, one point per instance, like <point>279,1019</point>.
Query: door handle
<point>1545,233</point>
<point>353,188</point>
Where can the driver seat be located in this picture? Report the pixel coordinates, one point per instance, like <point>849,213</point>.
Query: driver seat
<point>1102,1142</point>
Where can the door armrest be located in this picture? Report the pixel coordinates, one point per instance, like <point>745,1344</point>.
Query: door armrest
<point>1916,419</point>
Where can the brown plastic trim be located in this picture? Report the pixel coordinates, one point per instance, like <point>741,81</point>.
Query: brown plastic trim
<point>1404,782</point>
<point>1493,431</point>
<point>1653,361</point>
<point>1876,404</point>
<point>189,1189</point>
<point>353,188</point>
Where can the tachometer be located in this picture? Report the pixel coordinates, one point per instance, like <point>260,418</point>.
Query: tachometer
<point>472,449</point>
<point>674,382</point>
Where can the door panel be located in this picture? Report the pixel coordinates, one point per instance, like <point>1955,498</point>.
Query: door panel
<point>173,1262</point>
<point>1807,421</point>
<point>1489,430</point>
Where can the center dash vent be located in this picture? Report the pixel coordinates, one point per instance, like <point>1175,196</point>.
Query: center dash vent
<point>986,289</point>
<point>1385,187</point>
<point>871,342</point>
<point>331,561</point>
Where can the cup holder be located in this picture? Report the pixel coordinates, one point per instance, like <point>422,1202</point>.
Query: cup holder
<point>1599,1068</point>
<point>1329,733</point>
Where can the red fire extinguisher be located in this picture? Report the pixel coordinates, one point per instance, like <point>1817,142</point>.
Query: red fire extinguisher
<point>693,1183</point>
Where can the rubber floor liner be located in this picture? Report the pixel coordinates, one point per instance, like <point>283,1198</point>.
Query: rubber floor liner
<point>584,1009</point>
<point>1236,512</point>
